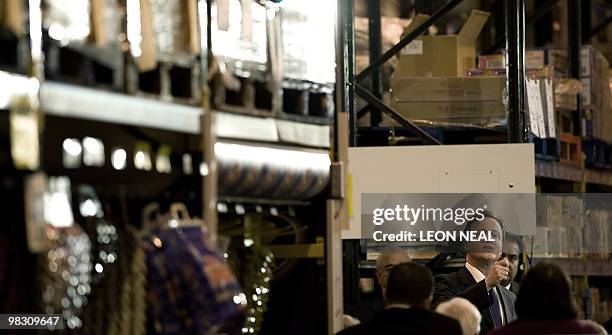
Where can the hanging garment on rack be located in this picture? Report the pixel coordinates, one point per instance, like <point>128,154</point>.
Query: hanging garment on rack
<point>117,304</point>
<point>66,274</point>
<point>191,288</point>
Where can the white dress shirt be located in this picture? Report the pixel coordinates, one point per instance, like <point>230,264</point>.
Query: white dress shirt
<point>479,276</point>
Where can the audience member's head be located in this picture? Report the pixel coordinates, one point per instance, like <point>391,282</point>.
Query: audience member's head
<point>465,312</point>
<point>512,249</point>
<point>410,284</point>
<point>386,261</point>
<point>545,294</point>
<point>485,251</point>
<point>600,329</point>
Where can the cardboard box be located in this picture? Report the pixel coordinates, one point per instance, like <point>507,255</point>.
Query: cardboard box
<point>558,242</point>
<point>557,58</point>
<point>447,89</point>
<point>442,55</point>
<point>492,62</point>
<point>477,101</point>
<point>549,211</point>
<point>541,242</point>
<point>535,59</point>
<point>575,242</point>
<point>573,212</point>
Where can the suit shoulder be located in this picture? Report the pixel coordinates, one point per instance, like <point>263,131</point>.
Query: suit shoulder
<point>446,280</point>
<point>451,325</point>
<point>360,329</point>
<point>446,277</point>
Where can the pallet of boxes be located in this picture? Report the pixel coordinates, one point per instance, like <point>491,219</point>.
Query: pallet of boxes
<point>164,48</point>
<point>272,59</point>
<point>550,95</point>
<point>82,43</point>
<point>596,113</point>
<point>430,85</point>
<point>437,83</point>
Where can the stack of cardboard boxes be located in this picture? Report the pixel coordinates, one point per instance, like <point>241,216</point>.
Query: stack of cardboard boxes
<point>430,84</point>
<point>596,115</point>
<point>565,228</point>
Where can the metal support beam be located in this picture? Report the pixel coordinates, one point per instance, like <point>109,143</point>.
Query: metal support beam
<point>542,9</point>
<point>363,111</point>
<point>586,20</point>
<point>574,39</point>
<point>346,64</point>
<point>515,71</point>
<point>377,103</point>
<point>599,27</point>
<point>375,64</point>
<point>375,46</point>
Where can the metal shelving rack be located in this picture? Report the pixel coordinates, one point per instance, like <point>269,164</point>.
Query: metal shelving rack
<point>81,103</point>
<point>514,42</point>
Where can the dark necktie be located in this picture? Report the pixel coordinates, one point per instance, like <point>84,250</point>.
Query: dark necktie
<point>494,308</point>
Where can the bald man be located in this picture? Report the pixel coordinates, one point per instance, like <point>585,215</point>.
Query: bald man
<point>369,304</point>
<point>463,311</point>
<point>385,262</point>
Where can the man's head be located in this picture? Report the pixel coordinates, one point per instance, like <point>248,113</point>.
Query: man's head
<point>386,261</point>
<point>485,251</point>
<point>546,294</point>
<point>410,284</point>
<point>512,249</point>
<point>465,312</point>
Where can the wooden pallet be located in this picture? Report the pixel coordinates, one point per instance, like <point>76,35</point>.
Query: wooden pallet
<point>168,81</point>
<point>595,154</point>
<point>547,149</point>
<point>84,65</point>
<point>300,102</point>
<point>247,96</point>
<point>384,136</point>
<point>306,102</point>
<point>571,149</point>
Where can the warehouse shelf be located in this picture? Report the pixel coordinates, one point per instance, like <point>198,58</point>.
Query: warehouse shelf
<point>556,170</point>
<point>72,101</point>
<point>581,267</point>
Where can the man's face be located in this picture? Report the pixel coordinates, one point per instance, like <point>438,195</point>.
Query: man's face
<point>387,263</point>
<point>511,251</point>
<point>485,250</point>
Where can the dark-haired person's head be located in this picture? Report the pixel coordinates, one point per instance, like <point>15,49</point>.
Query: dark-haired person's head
<point>410,284</point>
<point>512,250</point>
<point>484,250</point>
<point>545,294</point>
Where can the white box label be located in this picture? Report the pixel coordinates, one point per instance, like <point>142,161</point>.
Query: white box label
<point>413,48</point>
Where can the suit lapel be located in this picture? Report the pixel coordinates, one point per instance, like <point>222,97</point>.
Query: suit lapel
<point>467,280</point>
<point>507,301</point>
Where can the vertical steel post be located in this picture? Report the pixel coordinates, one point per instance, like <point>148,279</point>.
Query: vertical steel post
<point>574,39</point>
<point>346,64</point>
<point>209,168</point>
<point>515,71</point>
<point>375,46</point>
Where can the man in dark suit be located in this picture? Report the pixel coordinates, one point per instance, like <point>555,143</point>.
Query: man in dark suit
<point>513,250</point>
<point>479,280</point>
<point>408,296</point>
